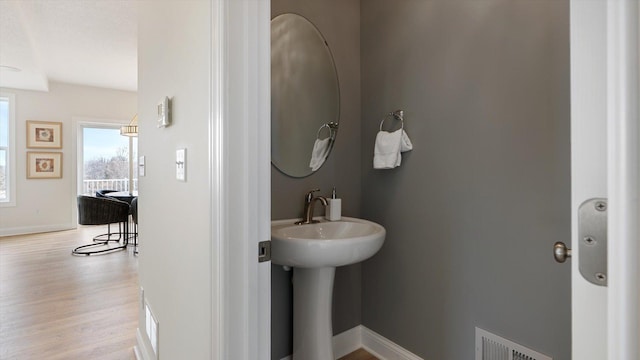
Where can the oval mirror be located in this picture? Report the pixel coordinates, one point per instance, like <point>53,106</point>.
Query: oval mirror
<point>305,96</point>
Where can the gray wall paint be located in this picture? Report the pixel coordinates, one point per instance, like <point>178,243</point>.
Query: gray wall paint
<point>338,21</point>
<point>475,208</point>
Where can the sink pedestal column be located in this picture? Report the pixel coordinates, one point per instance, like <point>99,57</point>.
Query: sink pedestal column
<point>312,327</point>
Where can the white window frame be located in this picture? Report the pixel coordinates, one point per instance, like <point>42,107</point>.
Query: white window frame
<point>10,170</point>
<point>79,125</point>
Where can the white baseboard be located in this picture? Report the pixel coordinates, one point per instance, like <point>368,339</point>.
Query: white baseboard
<point>347,342</point>
<point>23,230</point>
<point>384,348</point>
<point>137,353</point>
<point>361,337</point>
<point>142,349</point>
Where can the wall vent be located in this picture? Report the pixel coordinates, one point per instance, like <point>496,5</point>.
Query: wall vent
<point>492,347</point>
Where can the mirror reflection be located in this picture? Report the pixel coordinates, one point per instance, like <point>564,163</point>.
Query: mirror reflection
<point>305,96</point>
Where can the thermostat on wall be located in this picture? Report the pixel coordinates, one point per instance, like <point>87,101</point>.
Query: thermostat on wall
<point>164,113</point>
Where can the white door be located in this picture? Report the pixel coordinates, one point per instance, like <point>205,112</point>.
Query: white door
<point>604,147</point>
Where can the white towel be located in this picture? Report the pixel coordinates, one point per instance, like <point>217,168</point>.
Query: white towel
<point>386,153</point>
<point>319,153</point>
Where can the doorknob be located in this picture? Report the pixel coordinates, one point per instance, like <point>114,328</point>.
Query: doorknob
<point>592,244</point>
<point>561,252</point>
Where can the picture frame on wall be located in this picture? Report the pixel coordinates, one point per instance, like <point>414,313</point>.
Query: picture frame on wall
<point>44,134</point>
<point>44,165</point>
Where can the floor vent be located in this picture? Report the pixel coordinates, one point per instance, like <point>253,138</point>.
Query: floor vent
<point>492,347</point>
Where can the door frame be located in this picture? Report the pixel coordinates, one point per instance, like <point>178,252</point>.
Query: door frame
<point>604,100</point>
<point>240,178</point>
<point>77,157</point>
<point>240,173</point>
<point>623,179</point>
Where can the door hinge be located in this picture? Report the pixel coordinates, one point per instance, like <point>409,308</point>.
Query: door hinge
<point>264,251</point>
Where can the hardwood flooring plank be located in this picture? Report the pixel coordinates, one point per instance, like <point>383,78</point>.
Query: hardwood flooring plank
<point>57,306</point>
<point>360,354</point>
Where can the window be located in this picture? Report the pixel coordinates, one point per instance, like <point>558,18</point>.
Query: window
<point>108,159</point>
<point>7,150</point>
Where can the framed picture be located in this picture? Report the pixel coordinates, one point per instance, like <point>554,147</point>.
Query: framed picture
<point>44,134</point>
<point>44,165</point>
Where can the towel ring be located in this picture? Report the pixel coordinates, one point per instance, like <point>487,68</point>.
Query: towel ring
<point>398,115</point>
<point>332,129</point>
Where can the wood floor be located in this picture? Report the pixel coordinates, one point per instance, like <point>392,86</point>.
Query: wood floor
<point>57,306</point>
<point>360,354</point>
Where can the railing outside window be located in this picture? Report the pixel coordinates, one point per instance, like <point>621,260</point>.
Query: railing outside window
<point>89,187</point>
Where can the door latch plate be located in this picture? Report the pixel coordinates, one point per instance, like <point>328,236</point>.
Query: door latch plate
<point>592,238</point>
<point>264,251</point>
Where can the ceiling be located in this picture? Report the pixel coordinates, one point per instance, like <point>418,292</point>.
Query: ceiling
<point>86,42</point>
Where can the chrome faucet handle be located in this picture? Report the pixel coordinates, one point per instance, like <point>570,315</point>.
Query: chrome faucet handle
<point>309,195</point>
<point>308,207</point>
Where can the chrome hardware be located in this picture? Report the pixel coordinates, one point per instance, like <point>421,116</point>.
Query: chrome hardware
<point>308,197</point>
<point>592,247</point>
<point>264,251</point>
<point>332,127</point>
<point>309,202</point>
<point>560,252</point>
<point>592,230</point>
<point>398,115</point>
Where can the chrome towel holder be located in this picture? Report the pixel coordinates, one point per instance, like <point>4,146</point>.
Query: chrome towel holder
<point>398,115</point>
<point>333,128</point>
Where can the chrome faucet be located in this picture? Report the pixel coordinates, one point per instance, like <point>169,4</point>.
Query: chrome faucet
<point>309,202</point>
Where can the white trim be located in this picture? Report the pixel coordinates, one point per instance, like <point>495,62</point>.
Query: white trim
<point>240,186</point>
<point>347,342</point>
<point>142,350</point>
<point>137,353</point>
<point>384,348</point>
<point>623,180</point>
<point>23,230</point>
<point>377,345</point>
<point>11,160</point>
<point>588,167</point>
<point>263,164</point>
<point>78,123</point>
<point>217,204</point>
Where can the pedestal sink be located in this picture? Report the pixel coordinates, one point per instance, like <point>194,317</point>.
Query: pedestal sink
<point>314,251</point>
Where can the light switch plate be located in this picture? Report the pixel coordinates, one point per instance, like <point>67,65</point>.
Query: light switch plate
<point>141,171</point>
<point>181,164</point>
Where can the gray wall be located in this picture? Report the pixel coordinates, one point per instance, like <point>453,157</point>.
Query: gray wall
<point>338,21</point>
<point>475,208</point>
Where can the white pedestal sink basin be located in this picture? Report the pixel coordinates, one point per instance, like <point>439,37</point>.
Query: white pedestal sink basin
<point>314,251</point>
